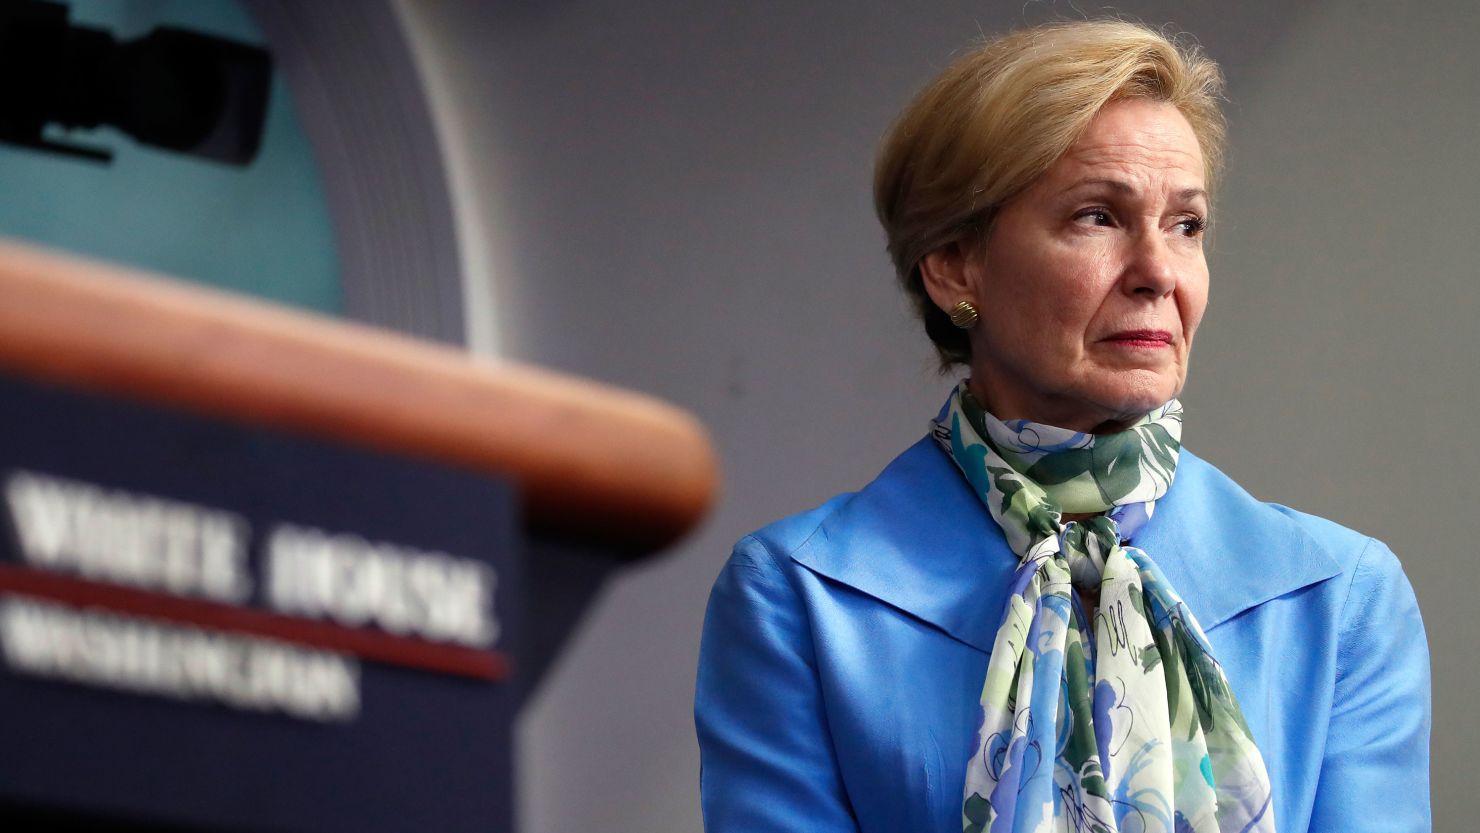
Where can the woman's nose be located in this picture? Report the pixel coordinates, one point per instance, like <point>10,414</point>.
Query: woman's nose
<point>1152,270</point>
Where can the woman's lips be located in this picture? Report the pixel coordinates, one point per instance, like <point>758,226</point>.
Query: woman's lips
<point>1146,339</point>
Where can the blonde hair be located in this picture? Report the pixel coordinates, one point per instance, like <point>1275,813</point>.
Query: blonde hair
<point>1002,114</point>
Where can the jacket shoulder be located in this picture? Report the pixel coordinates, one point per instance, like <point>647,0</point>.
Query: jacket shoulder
<point>1344,545</point>
<point>785,536</point>
<point>899,491</point>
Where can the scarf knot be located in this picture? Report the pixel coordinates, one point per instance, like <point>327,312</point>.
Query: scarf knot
<point>1086,545</point>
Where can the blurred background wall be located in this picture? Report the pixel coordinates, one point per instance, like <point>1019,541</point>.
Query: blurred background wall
<point>675,197</point>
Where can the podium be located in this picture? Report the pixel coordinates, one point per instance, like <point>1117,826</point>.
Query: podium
<point>263,571</point>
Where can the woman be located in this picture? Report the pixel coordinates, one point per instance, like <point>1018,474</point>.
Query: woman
<point>1046,615</point>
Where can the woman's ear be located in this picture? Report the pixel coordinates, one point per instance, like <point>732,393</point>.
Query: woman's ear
<point>951,274</point>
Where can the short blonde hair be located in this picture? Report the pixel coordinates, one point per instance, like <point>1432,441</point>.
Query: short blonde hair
<point>1002,114</point>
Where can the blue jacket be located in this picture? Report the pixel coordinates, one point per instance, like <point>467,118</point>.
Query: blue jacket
<point>844,650</point>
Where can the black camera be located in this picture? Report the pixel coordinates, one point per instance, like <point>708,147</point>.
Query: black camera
<point>173,89</point>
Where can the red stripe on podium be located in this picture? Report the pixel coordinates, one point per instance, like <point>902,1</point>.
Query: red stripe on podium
<point>372,645</point>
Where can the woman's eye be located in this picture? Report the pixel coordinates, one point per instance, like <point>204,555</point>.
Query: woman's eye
<point>1094,217</point>
<point>1192,226</point>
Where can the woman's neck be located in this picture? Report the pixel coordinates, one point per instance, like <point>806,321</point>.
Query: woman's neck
<point>1065,415</point>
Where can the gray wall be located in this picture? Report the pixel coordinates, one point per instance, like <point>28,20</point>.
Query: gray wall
<point>674,197</point>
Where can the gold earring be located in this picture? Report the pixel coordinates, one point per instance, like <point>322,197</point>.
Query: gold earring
<point>963,315</point>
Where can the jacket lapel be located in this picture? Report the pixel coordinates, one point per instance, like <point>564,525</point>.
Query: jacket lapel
<point>919,540</point>
<point>1223,550</point>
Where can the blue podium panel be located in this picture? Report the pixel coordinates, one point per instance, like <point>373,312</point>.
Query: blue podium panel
<point>206,626</point>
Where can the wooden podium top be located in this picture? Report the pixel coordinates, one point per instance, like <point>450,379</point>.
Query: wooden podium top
<point>594,463</point>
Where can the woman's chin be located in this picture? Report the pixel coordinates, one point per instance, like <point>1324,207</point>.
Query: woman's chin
<point>1125,397</point>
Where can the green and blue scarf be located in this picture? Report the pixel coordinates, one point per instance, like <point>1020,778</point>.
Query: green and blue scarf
<point>1129,725</point>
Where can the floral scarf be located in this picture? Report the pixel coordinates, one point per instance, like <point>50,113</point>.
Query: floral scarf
<point>1135,729</point>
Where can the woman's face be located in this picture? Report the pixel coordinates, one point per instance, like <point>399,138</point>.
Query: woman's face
<point>1091,283</point>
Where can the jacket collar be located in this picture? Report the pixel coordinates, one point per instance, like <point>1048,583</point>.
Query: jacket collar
<point>919,540</point>
<point>1225,551</point>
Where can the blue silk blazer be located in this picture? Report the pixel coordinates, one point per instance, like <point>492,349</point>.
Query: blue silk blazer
<point>844,652</point>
